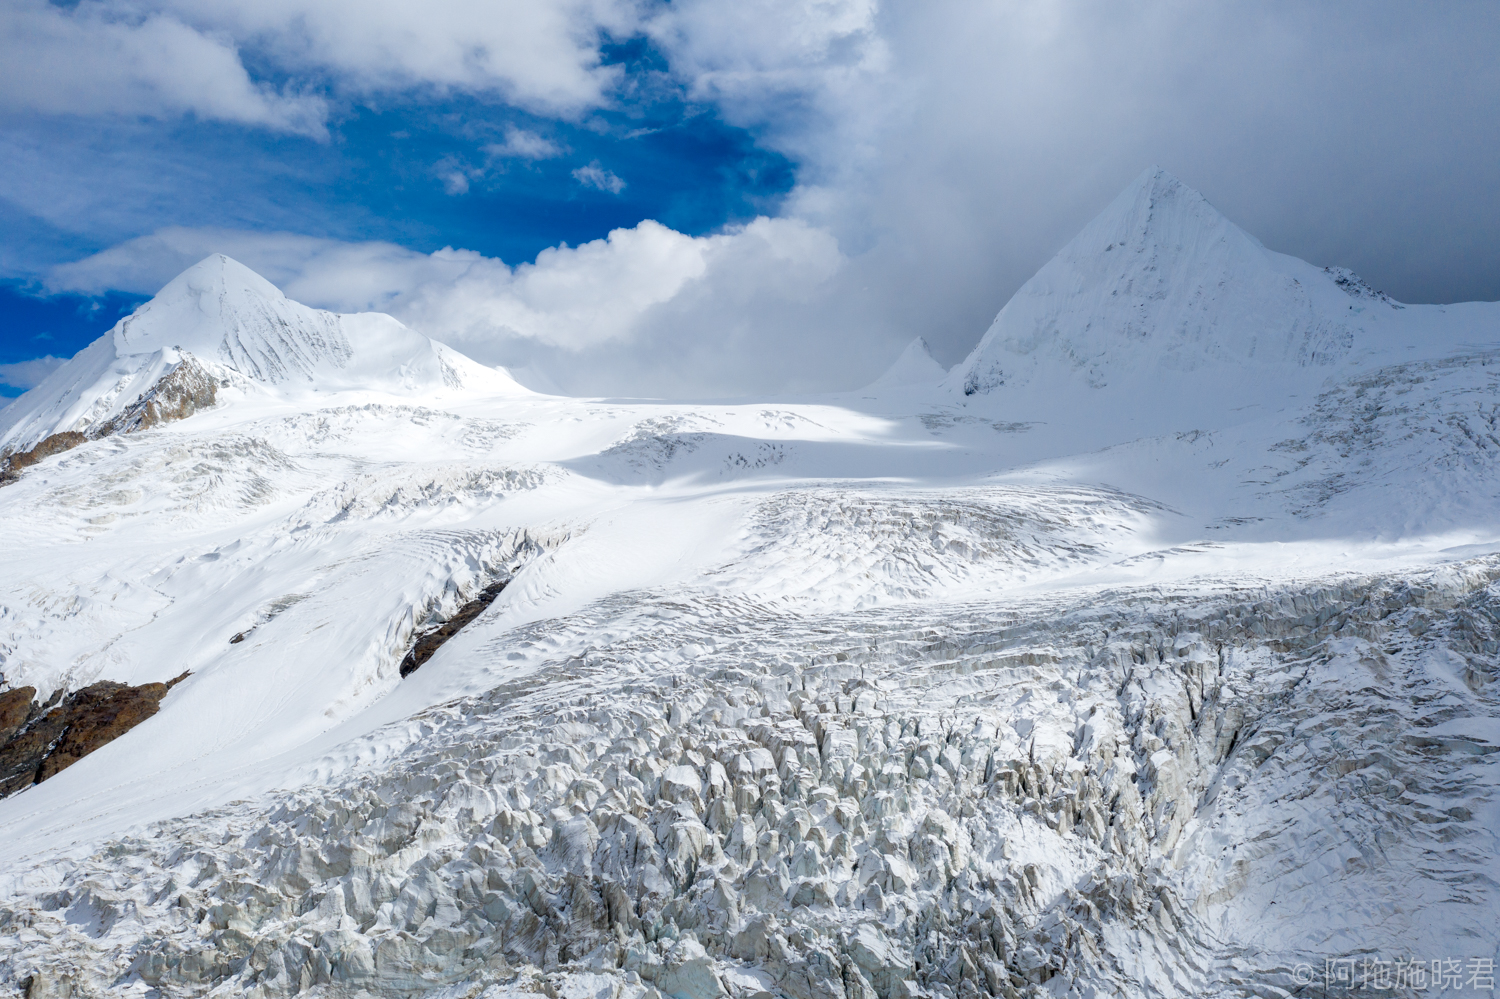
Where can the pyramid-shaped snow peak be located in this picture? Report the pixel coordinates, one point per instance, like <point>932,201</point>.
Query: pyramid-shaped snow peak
<point>1162,285</point>
<point>219,325</point>
<point>220,310</point>
<point>915,366</point>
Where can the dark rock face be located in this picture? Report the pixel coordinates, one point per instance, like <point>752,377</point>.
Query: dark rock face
<point>178,394</point>
<point>40,740</point>
<point>46,448</point>
<point>15,708</point>
<point>433,640</point>
<point>22,757</point>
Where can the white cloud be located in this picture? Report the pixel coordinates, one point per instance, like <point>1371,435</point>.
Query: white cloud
<point>745,52</point>
<point>324,272</point>
<point>598,178</point>
<point>173,57</point>
<point>805,74</point>
<point>161,57</point>
<point>26,374</point>
<point>101,58</point>
<point>645,310</point>
<point>521,144</point>
<point>540,56</point>
<point>944,151</point>
<point>455,174</point>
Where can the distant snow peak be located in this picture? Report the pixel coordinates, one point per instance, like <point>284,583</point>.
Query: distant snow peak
<point>221,309</point>
<point>915,366</point>
<point>1161,284</point>
<point>237,329</point>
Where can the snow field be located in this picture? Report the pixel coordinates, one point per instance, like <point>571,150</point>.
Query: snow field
<point>1150,653</point>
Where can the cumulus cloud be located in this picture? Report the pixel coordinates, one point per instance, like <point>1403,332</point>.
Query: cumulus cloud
<point>645,310</point>
<point>522,144</point>
<point>99,58</point>
<point>598,178</point>
<point>540,56</point>
<point>781,65</point>
<point>26,374</point>
<point>167,57</point>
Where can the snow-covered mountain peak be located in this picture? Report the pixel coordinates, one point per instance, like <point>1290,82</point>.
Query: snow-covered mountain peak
<point>219,275</point>
<point>221,310</point>
<point>1162,285</point>
<point>1160,219</point>
<point>235,328</point>
<point>915,366</point>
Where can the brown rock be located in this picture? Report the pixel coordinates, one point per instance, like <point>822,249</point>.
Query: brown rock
<point>22,756</point>
<point>49,741</point>
<point>56,444</point>
<point>433,640</point>
<point>97,715</point>
<point>15,708</point>
<point>178,394</point>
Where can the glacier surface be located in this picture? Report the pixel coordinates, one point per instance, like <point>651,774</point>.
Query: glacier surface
<point>1151,651</point>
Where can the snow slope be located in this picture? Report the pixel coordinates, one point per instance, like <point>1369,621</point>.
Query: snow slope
<point>1122,674</point>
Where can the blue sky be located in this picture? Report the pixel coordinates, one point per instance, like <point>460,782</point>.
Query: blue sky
<point>412,170</point>
<point>386,175</point>
<point>694,197</point>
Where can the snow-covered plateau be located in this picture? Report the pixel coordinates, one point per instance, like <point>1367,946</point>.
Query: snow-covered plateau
<point>1151,651</point>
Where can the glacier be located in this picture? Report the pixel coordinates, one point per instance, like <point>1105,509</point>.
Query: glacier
<point>1150,651</point>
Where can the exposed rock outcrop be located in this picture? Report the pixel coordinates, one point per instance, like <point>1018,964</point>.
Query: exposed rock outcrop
<point>15,708</point>
<point>187,389</point>
<point>433,640</point>
<point>46,448</point>
<point>184,390</point>
<point>39,740</point>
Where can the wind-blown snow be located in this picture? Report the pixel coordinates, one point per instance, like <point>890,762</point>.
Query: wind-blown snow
<point>1160,663</point>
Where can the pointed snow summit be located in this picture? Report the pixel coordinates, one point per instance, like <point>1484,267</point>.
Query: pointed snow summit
<point>1162,286</point>
<point>915,366</point>
<point>219,325</point>
<point>221,310</point>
